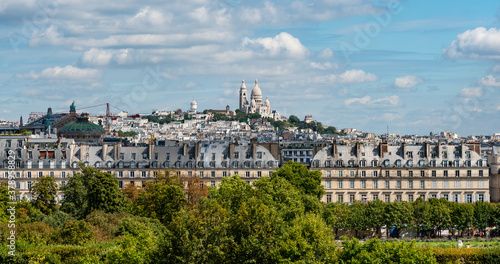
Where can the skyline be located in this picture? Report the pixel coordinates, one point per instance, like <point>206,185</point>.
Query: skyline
<point>415,66</point>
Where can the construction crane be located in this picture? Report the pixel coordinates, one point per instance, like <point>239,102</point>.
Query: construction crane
<point>108,114</point>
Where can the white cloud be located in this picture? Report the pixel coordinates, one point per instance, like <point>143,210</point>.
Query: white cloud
<point>471,92</point>
<point>407,81</point>
<point>148,17</point>
<point>323,66</point>
<point>362,100</point>
<point>392,100</point>
<point>478,43</point>
<point>67,73</point>
<point>357,76</point>
<point>490,81</point>
<point>281,44</point>
<point>326,54</point>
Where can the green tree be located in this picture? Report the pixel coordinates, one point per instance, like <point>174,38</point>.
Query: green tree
<point>375,213</point>
<point>89,190</point>
<point>77,232</point>
<point>462,216</point>
<point>337,216</point>
<point>482,215</point>
<point>294,120</point>
<point>161,199</point>
<point>422,213</point>
<point>440,210</point>
<point>44,193</point>
<point>398,214</point>
<point>305,180</point>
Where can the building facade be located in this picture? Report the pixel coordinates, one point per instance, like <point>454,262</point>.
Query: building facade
<point>349,172</point>
<point>403,173</point>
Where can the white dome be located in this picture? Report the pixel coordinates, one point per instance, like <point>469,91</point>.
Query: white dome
<point>267,103</point>
<point>256,93</point>
<point>194,105</point>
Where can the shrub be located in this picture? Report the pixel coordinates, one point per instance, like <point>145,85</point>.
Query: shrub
<point>76,232</point>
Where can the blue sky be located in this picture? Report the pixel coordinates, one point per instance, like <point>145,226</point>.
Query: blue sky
<point>415,66</point>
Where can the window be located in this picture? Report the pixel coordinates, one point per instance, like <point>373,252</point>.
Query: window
<point>480,184</point>
<point>28,184</point>
<point>398,173</point>
<point>456,198</point>
<point>328,184</point>
<point>422,196</point>
<point>340,183</point>
<point>445,184</point>
<point>328,198</point>
<point>351,173</point>
<point>259,155</point>
<point>386,173</point>
<point>375,197</point>
<point>469,173</point>
<point>18,185</point>
<point>468,198</point>
<point>398,197</point>
<point>469,184</point>
<point>445,173</point>
<point>387,198</point>
<point>434,184</point>
<point>168,156</point>
<point>351,184</point>
<point>340,198</point>
<point>340,173</point>
<point>144,174</point>
<point>422,173</point>
<point>328,174</point>
<point>236,155</point>
<point>363,184</point>
<point>259,174</point>
<point>132,174</point>
<point>363,173</point>
<point>247,174</point>
<point>446,197</point>
<point>375,173</point>
<point>480,197</point>
<point>433,196</point>
<point>410,174</point>
<point>433,173</point>
<point>270,173</point>
<point>398,184</point>
<point>457,173</point>
<point>40,174</point>
<point>422,185</point>
<point>212,183</point>
<point>120,174</point>
<point>410,197</point>
<point>213,156</point>
<point>122,156</point>
<point>29,174</point>
<point>375,184</point>
<point>224,174</point>
<point>410,184</point>
<point>480,173</point>
<point>156,155</point>
<point>457,184</point>
<point>387,184</point>
<point>63,174</point>
<point>351,198</point>
<point>235,173</point>
<point>212,174</point>
<point>6,174</point>
<point>51,174</point>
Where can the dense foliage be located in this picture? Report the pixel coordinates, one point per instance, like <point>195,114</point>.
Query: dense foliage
<point>278,219</point>
<point>126,134</point>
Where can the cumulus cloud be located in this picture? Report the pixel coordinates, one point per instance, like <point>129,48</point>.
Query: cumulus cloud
<point>326,54</point>
<point>357,76</point>
<point>66,73</point>
<point>490,81</point>
<point>407,81</point>
<point>478,43</point>
<point>392,100</point>
<point>281,44</point>
<point>471,92</point>
<point>323,66</point>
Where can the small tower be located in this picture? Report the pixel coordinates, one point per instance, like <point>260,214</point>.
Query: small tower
<point>243,97</point>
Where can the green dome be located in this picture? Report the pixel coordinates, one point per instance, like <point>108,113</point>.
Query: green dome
<point>82,125</point>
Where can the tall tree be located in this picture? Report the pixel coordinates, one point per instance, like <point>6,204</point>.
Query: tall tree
<point>44,193</point>
<point>307,181</point>
<point>92,189</point>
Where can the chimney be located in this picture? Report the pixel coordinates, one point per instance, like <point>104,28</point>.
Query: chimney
<point>116,151</point>
<point>104,152</point>
<point>151,149</point>
<point>231,149</point>
<point>403,150</point>
<point>383,148</point>
<point>184,149</point>
<point>254,147</point>
<point>427,149</point>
